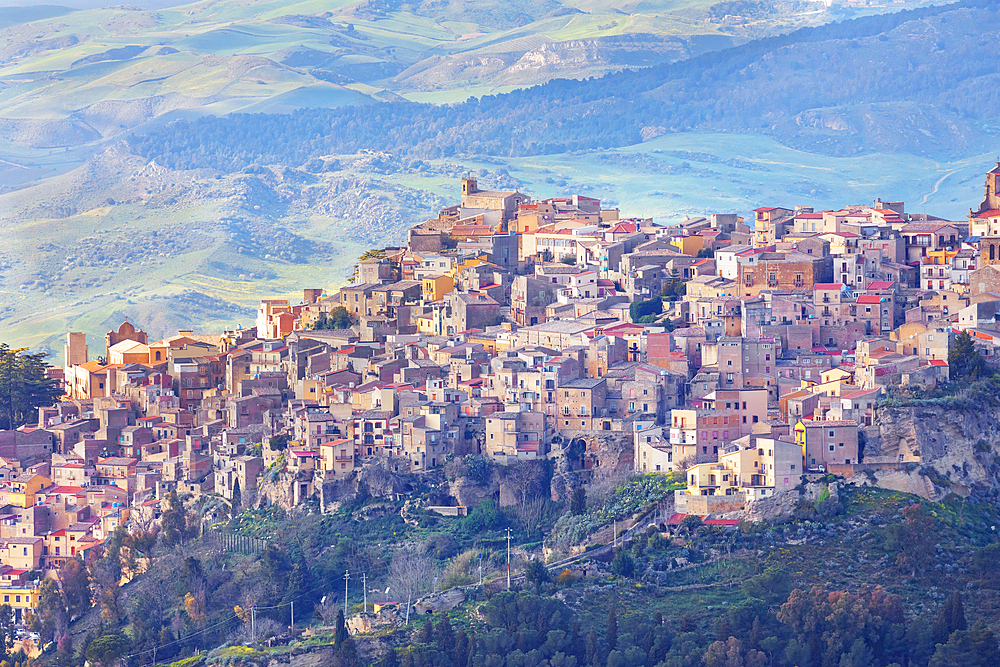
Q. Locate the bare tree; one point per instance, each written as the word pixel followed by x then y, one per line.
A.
pixel 522 477
pixel 601 490
pixel 410 575
pixel 529 513
pixel 327 610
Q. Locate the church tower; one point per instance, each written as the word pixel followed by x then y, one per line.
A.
pixel 985 222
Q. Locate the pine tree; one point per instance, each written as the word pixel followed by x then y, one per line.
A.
pixel 23 387
pixel 237 495
pixel 964 359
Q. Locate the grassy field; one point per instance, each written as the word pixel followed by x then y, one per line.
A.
pixel 693 174
pixel 231 56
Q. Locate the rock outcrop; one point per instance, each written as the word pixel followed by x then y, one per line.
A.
pixel 955 449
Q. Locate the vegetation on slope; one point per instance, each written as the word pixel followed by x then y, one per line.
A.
pixel 879 576
pixel 890 90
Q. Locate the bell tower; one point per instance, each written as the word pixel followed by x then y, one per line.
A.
pixel 985 222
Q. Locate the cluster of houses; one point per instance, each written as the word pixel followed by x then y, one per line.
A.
pixel 744 354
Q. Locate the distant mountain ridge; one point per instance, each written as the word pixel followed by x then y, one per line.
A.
pixel 918 81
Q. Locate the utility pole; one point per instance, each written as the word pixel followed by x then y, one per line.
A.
pixel 293 616
pixel 480 569
pixel 364 584
pixel 508 559
pixel 253 624
pixel 347 577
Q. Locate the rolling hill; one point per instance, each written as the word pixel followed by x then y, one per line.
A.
pixel 138 183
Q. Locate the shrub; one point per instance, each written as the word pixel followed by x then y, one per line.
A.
pixel 623 565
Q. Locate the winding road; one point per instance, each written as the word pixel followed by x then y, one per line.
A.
pixel 936 186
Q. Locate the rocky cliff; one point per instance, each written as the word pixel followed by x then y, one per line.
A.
pixel 955 449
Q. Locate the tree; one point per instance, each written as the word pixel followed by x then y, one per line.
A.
pixel 730 653
pixel 911 539
pixel 967 648
pixel 611 636
pixel 639 309
pixel 23 386
pixel 623 565
pixel 278 442
pixel 444 636
pixel 689 524
pixel 340 318
pixel 426 632
pixel 237 495
pixel 105 651
pixel 298 588
pixel 52 617
pixel 950 619
pixel 75 587
pixel 537 574
pixel 578 501
pixel 173 523
pixel 410 574
pixel 340 633
pixel 964 359
pixel 389 659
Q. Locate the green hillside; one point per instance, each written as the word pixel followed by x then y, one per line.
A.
pixel 70 78
pixel 188 224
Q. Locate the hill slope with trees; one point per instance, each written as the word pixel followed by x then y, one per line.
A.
pixel 918 81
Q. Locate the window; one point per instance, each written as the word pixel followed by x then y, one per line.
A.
pixel 832 434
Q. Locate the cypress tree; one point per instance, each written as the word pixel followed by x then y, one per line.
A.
pixel 611 638
pixel 340 634
pixel 426 633
pixel 444 636
pixel 591 655
pixel 461 651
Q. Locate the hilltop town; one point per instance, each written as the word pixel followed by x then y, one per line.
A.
pixel 744 355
